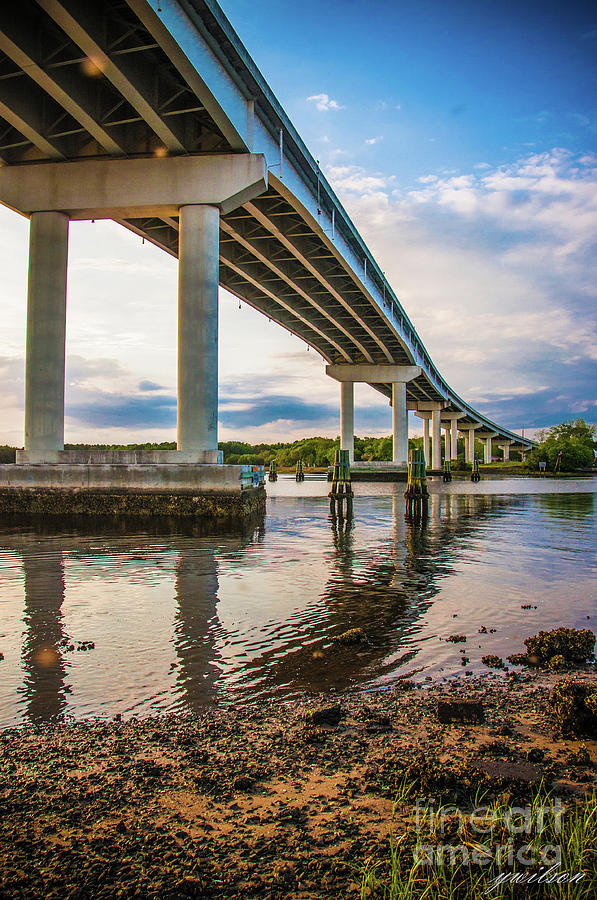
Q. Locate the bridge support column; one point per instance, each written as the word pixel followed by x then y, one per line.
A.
pixel 469 441
pixel 451 427
pixel 454 440
pixel 487 446
pixel 399 423
pixel 347 418
pixel 198 331
pixel 46 332
pixel 398 376
pixel 426 440
pixel 506 448
pixel 436 439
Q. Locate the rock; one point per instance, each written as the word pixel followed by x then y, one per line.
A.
pixel 315 735
pixel 535 754
pixel 519 659
pixel 243 783
pixel 557 662
pixel 575 645
pixel 324 715
pixel 470 712
pixel 493 661
pixel 483 629
pixel 580 757
pixel 574 707
pixel 352 636
pixel 457 638
pixel 1 656
pixel 509 771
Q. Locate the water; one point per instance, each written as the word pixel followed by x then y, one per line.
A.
pixel 180 618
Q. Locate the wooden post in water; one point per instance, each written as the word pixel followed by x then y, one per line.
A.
pixel 416 494
pixel 447 475
pixel 475 474
pixel 300 475
pixel 273 471
pixel 341 493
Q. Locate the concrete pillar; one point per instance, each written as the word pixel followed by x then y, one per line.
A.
pixel 399 423
pixel 198 328
pixel 347 417
pixel 454 439
pixel 46 332
pixel 487 447
pixel 436 439
pixel 506 449
pixel 426 441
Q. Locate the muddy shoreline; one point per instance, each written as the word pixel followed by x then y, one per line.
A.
pixel 265 800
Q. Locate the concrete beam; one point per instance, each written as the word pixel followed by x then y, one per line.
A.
pixel 82 24
pixel 29 129
pixel 134 188
pixel 453 416
pixel 366 374
pixel 199 65
pixel 432 405
pixel 18 42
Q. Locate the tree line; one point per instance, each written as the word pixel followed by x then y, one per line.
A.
pixel 573 442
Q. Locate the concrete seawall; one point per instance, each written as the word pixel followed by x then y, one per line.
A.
pixel 188 491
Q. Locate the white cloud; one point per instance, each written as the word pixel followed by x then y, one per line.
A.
pixel 324 102
pixel 374 140
pixel 496 271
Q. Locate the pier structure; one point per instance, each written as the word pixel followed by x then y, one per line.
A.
pixel 155 116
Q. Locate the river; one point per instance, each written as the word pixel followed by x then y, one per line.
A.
pixel 180 616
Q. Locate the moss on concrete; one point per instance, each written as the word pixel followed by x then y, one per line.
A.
pixel 140 504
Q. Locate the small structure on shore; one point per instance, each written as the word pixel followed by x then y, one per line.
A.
pixel 341 493
pixel 416 494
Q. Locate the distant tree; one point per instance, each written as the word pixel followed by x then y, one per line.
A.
pixel 574 440
pixel 7 454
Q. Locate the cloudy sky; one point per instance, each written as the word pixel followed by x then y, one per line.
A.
pixel 462 139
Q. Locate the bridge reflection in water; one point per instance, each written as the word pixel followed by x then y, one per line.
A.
pixel 251 613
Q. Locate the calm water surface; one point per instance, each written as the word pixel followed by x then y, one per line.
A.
pixel 180 618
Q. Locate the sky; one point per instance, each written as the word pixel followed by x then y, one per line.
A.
pixel 462 140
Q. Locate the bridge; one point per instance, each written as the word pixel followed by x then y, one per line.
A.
pixel 154 115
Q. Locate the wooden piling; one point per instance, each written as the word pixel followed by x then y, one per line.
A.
pixel 447 473
pixel 475 474
pixel 273 471
pixel 300 474
pixel 341 495
pixel 416 494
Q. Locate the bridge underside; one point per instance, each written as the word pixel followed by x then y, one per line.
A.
pixel 84 80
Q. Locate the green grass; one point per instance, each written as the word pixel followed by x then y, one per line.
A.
pixel 403 878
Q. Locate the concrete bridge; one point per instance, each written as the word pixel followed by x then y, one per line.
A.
pixel 153 114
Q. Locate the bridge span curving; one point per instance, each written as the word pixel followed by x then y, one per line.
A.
pixel 153 114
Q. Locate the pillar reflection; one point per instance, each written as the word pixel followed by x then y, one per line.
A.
pixel 44 670
pixel 196 624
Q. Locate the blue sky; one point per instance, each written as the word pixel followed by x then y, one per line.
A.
pixel 461 137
